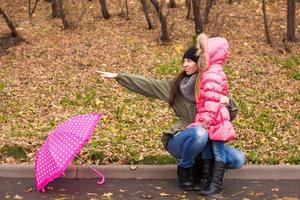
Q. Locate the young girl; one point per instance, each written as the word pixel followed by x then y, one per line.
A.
pixel 211 87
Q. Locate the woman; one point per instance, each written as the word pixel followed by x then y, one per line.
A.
pixel 185 144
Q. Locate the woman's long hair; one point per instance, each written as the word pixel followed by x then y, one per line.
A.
pixel 175 91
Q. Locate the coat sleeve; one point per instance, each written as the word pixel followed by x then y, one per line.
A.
pixel 213 85
pixel 159 89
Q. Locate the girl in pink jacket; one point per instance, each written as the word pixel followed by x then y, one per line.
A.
pixel 211 88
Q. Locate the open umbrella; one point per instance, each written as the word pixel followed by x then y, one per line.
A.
pixel 61 146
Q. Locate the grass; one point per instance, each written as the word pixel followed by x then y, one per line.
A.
pixel 291 65
pixel 16 151
pixel 157 160
pixel 169 69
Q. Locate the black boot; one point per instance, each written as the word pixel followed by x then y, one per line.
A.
pixel 202 177
pixel 185 178
pixel 216 185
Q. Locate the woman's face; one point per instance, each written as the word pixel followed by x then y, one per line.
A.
pixel 189 66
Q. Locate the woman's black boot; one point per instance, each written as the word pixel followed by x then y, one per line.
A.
pixel 216 185
pixel 202 177
pixel 185 178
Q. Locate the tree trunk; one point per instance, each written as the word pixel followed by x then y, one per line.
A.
pixel 62 14
pixel 104 10
pixel 172 4
pixel 30 12
pixel 9 23
pixel 291 20
pixel 197 17
pixel 55 10
pixel 208 6
pixel 145 9
pixel 163 20
pixel 127 9
pixel 189 7
pixel 267 31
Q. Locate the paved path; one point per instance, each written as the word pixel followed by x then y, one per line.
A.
pixel 23 188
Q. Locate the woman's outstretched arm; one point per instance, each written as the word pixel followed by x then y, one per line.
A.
pixel 159 89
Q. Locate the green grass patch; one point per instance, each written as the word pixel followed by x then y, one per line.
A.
pixel 158 160
pixel 85 98
pixel 97 156
pixel 295 75
pixel 16 151
pixel 265 122
pixel 3 118
pixel 290 65
pixel 2 86
pixel 170 69
pixel 297 116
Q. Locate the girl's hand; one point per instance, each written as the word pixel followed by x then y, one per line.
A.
pixel 224 100
pixel 107 74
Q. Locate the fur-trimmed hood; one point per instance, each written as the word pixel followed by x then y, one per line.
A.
pixel 212 51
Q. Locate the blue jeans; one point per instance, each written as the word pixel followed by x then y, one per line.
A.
pixel 220 151
pixel 186 145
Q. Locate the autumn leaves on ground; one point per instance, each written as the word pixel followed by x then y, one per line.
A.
pixel 48 75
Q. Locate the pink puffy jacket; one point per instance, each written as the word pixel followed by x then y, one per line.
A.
pixel 213 84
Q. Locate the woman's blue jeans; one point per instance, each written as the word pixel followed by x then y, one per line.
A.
pixel 186 145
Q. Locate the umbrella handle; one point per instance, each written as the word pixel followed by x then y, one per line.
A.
pixel 100 175
pixel 94 170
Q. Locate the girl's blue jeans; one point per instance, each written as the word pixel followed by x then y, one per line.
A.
pixel 186 145
pixel 216 150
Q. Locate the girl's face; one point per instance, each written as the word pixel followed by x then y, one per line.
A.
pixel 189 66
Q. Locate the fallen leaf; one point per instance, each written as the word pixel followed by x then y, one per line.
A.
pixel 259 194
pixel 50 188
pixel 91 194
pixel 28 190
pixel 146 196
pixel 18 197
pixel 162 194
pixel 108 194
pixel 133 167
pixel 275 189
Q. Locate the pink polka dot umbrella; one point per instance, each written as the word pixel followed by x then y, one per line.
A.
pixel 61 146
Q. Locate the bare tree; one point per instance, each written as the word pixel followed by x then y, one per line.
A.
pixel 267 31
pixel 104 10
pixel 188 4
pixel 125 14
pixel 9 23
pixel 30 12
pixel 172 4
pixel 162 19
pixel 291 20
pixel 54 8
pixel 145 9
pixel 197 17
pixel 208 6
pixel 62 14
